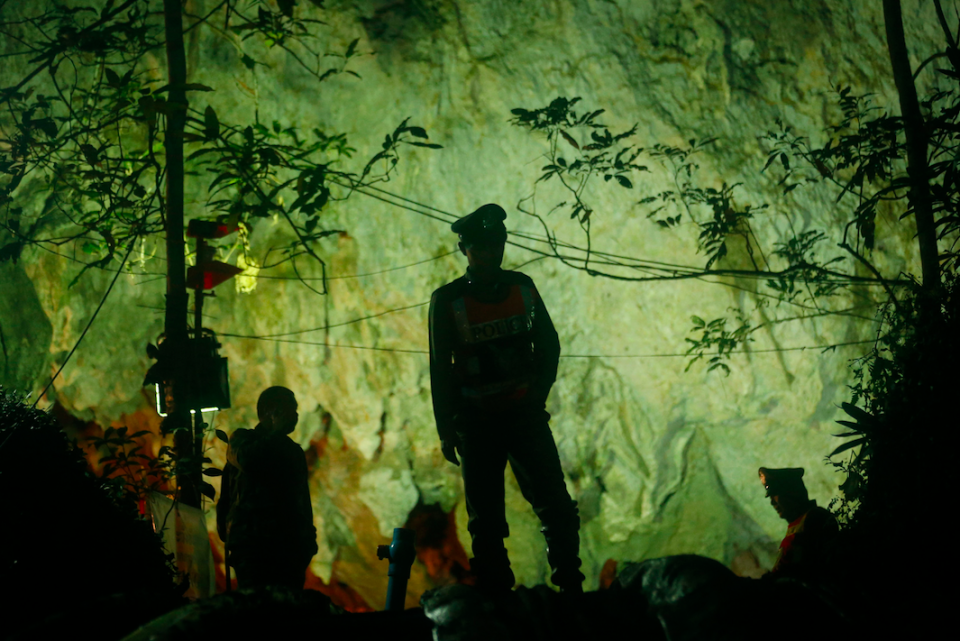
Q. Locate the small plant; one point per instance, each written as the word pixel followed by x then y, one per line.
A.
pixel 126 461
pixel 130 469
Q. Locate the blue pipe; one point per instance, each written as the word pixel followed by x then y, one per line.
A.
pixel 401 553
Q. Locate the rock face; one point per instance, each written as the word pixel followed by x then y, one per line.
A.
pixel 660 461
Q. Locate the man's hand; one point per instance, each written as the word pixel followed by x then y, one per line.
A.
pixel 449 449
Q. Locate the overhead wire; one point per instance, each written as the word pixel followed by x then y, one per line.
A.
pixel 331 326
pixel 351 276
pixel 801 348
pixel 417 207
pixel 672 271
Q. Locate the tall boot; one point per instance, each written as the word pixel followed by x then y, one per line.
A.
pixel 491 566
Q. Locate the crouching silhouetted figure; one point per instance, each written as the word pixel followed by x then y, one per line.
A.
pixel 265 515
pixel 493 358
pixel 812 531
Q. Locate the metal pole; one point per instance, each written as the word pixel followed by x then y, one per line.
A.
pixel 198 356
pixel 175 321
pixel 401 553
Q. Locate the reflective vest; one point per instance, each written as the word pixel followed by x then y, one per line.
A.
pixel 493 359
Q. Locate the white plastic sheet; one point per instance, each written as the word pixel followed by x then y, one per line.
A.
pixel 184 531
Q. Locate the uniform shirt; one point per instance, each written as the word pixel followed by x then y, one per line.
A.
pixel 265 497
pixel 805 547
pixel 493 348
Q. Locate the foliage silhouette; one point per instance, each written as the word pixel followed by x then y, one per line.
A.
pixel 86 135
pixel 98 151
pixel 40 471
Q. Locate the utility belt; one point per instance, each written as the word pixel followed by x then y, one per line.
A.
pixel 496 397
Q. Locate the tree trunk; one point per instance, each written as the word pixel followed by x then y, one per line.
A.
pixel 175 320
pixel 916 136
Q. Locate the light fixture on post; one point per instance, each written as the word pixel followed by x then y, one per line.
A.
pixel 207 384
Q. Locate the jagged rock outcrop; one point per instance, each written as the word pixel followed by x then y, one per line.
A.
pixel 661 461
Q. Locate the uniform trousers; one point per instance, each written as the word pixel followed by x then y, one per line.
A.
pixel 487 441
pixel 269 565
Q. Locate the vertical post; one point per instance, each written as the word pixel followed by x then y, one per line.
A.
pixel 915 132
pixel 175 319
pixel 401 553
pixel 197 352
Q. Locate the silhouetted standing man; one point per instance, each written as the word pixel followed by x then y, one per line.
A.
pixel 493 360
pixel 265 515
pixel 812 530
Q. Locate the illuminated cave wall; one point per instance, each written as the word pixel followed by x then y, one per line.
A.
pixel 661 461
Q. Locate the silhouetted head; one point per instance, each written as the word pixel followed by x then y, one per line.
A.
pixel 787 493
pixel 482 239
pixel 277 410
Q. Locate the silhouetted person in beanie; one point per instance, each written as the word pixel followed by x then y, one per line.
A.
pixel 265 515
pixel 493 359
pixel 812 530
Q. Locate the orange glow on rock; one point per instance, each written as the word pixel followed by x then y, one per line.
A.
pixel 438 547
pixel 340 593
pixel 608 573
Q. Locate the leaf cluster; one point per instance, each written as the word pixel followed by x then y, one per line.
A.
pixel 602 152
pixel 137 472
pixel 83 160
pixel 84 135
pixel 278 171
pixel 795 268
pixel 283 28
pixel 716 338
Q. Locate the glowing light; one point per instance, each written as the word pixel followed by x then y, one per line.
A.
pixel 161 413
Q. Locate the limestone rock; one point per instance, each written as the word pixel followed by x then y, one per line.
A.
pixel 660 461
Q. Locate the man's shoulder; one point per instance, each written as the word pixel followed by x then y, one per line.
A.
pixel 820 519
pixel 240 434
pixel 821 514
pixel 291 445
pixel 450 290
pixel 517 278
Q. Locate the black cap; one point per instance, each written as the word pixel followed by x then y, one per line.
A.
pixel 784 480
pixel 484 224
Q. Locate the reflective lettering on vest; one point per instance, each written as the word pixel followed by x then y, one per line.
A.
pixel 481 322
pixel 500 327
pixel 494 358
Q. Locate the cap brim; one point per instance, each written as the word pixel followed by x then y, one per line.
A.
pixel 486 237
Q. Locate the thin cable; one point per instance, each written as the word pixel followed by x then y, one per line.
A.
pixel 419 204
pixel 89 323
pixel 160 275
pixel 362 318
pixel 389 202
pixel 674 355
pixel 745 351
pixel 675 271
pixel 349 276
pixel 326 327
pixel 288 340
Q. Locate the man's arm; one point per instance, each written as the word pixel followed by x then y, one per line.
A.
pixel 248 451
pixel 226 500
pixel 546 352
pixel 442 385
pixel 233 447
pixel 303 503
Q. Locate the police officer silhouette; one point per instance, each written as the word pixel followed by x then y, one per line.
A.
pixel 493 359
